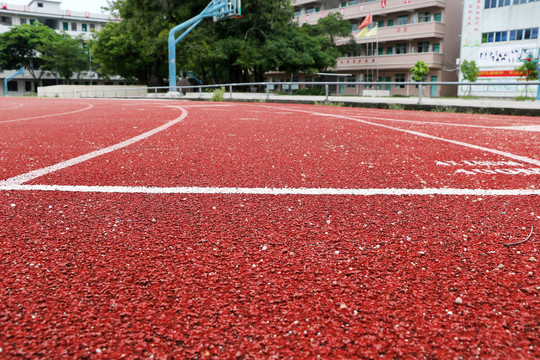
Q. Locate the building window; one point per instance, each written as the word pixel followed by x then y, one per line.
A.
pixel 351 79
pixel 389 50
pixel 353 2
pixel 399 78
pixel 84 27
pixel 437 17
pixel 512 35
pixel 390 22
pixel 436 48
pixel 423 46
pixel 13 86
pixel 73 26
pixel 424 17
pixel 32 21
pixel 380 51
pixel 28 86
pixel 381 23
pixel 354 26
pixel 516 2
pixel 92 26
pixel 65 26
pixel 343 3
pixel 403 20
pixel 401 48
pixel 6 20
pixel 40 5
pixel 489 4
pixel 296 13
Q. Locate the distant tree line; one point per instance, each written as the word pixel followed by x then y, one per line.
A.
pixel 239 50
pixel 40 49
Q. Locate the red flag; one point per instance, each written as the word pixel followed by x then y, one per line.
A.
pixel 367 21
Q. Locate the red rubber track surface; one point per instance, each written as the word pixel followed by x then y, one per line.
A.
pixel 94 275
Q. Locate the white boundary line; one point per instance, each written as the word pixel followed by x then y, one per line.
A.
pixel 421 134
pixel 271 191
pixel 20 179
pixel 50 115
pixel 16 183
pixel 513 128
pixel 13 107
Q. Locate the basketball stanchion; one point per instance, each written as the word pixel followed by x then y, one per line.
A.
pixel 218 10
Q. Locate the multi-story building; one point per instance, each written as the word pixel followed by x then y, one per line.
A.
pixel 407 31
pixel 49 13
pixel 498 35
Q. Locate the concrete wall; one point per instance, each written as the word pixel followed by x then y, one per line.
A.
pixel 91 91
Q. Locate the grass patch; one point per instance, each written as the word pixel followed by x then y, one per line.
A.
pixel 218 94
pixel 447 109
pixel 396 107
pixel 524 98
pixel 340 104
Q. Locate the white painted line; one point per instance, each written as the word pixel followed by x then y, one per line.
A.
pixel 13 107
pixel 50 115
pixel 270 191
pixel 421 134
pixel 20 179
pixel 521 128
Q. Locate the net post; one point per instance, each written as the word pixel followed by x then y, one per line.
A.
pixel 419 93
pixel 267 91
pixel 230 92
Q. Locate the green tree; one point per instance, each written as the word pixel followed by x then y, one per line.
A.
pixel 419 71
pixel 20 47
pixel 333 26
pixel 470 72
pixel 265 38
pixel 529 71
pixel 64 55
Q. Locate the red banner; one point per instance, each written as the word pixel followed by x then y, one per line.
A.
pixel 498 73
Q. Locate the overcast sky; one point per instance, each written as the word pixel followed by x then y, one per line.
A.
pixel 74 5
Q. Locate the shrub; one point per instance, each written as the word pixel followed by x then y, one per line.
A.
pixel 218 94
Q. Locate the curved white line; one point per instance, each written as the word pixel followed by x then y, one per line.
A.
pixel 13 107
pixel 421 134
pixel 513 128
pixel 50 115
pixel 20 179
pixel 273 191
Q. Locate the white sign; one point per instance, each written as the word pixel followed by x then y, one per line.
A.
pixel 499 56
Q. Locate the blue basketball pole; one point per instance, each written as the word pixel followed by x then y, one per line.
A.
pixel 213 9
pixel 19 72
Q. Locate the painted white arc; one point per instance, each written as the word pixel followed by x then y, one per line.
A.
pixel 50 115
pixel 421 134
pixel 21 179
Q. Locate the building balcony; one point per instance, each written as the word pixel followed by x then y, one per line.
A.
pixel 306 2
pixel 27 11
pixel 416 31
pixel 389 62
pixel 376 8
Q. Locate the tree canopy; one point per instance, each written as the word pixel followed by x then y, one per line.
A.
pixel 420 71
pixel 39 49
pixel 266 38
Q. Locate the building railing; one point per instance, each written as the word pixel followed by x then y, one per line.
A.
pixel 268 88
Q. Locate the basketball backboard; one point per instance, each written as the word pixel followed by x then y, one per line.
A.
pixel 233 9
